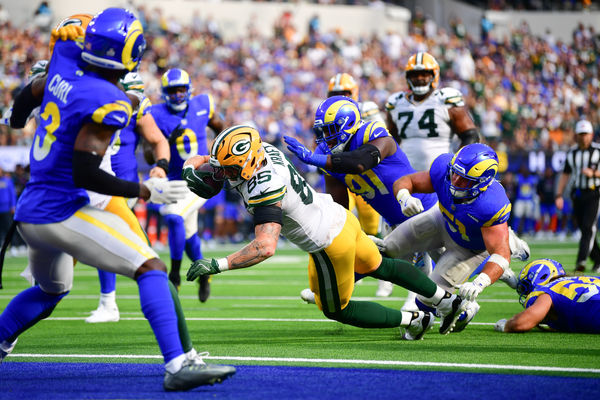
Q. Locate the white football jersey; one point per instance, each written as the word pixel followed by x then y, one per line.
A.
pixel 311 220
pixel 424 127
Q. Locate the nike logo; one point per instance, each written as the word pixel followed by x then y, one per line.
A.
pixel 120 119
pixel 159 191
pixel 201 112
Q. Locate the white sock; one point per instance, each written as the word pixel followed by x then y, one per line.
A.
pixel 108 299
pixel 407 317
pixel 438 296
pixel 175 364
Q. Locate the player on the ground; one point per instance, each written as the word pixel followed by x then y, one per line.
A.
pixel 53 213
pixel 281 202
pixel 470 222
pixel 183 120
pixel 423 119
pixel 564 303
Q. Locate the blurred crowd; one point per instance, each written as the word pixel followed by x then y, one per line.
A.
pixel 525 92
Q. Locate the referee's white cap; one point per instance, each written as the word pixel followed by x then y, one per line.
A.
pixel 584 126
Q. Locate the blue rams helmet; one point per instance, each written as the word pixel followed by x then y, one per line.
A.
pixel 114 39
pixel 537 272
pixel 336 120
pixel 478 164
pixel 176 77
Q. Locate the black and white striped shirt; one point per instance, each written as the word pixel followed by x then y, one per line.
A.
pixel 578 160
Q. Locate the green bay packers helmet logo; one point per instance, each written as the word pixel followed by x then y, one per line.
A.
pixel 241 147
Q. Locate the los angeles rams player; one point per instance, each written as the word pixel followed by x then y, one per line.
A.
pixel 360 156
pixel 183 120
pixel 343 84
pixel 424 119
pixel 53 213
pixel 282 202
pixel 121 161
pixel 564 303
pixel 470 222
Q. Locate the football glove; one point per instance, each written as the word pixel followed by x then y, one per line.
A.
pixel 163 191
pixel 470 290
pixel 499 327
pixel 195 181
pixel 5 120
pixel 202 267
pixel 378 242
pixel 68 32
pixel 410 205
pixel 304 154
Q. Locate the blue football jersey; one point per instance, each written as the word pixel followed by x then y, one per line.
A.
pixel 125 141
pixel 73 97
pixel 191 123
pixel 526 187
pixel 575 303
pixel 376 184
pixel 465 220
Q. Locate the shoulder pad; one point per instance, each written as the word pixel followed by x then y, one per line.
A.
pixel 452 97
pixel 393 99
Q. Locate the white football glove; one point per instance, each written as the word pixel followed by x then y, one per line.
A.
pixel 470 290
pixel 499 327
pixel 378 242
pixel 410 205
pixel 5 120
pixel 163 191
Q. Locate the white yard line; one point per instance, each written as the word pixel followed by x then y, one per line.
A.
pixel 529 368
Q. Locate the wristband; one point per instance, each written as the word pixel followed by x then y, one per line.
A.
pixel 501 261
pixel 223 264
pixel 402 193
pixel 164 164
pixel 483 280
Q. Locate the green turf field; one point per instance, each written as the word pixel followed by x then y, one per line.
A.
pixel 255 316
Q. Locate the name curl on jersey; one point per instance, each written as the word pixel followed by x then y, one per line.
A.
pixel 60 88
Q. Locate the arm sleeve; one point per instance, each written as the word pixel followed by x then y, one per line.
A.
pixel 24 104
pixel 88 175
pixel 366 156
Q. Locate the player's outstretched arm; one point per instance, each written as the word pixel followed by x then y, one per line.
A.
pixel 463 125
pixel 529 318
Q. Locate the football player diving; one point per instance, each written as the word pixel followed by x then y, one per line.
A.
pixel 53 214
pixel 281 202
pixel 564 303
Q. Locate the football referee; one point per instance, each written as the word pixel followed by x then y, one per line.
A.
pixel 582 162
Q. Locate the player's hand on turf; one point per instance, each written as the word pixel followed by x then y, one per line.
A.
pixel 202 267
pixel 163 191
pixel 410 205
pixel 499 327
pixel 304 153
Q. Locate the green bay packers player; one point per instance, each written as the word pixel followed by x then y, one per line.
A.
pixel 564 303
pixel 281 202
pixel 424 119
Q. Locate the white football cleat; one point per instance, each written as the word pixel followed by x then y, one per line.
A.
pixel 418 326
pixel 104 313
pixel 410 303
pixel 308 296
pixel 472 308
pixel 384 289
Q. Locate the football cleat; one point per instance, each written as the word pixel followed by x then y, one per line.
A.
pixel 308 296
pixel 104 313
pixel 384 288
pixel 472 308
pixel 193 374
pixel 418 326
pixel 410 304
pixel 196 358
pixel 509 277
pixel 449 308
pixel 6 348
pixel 203 288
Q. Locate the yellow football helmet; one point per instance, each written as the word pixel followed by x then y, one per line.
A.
pixel 422 61
pixel 236 153
pixel 343 85
pixel 80 20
